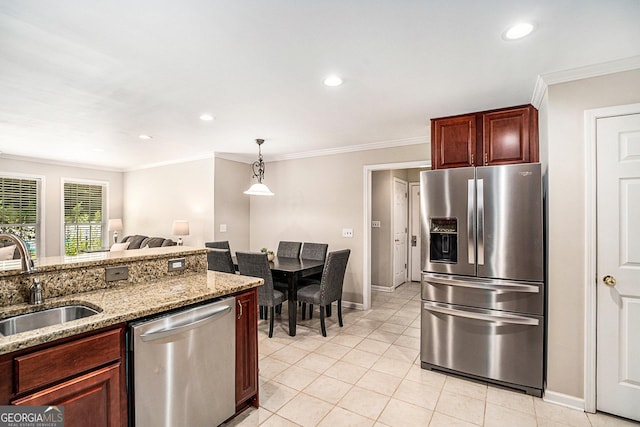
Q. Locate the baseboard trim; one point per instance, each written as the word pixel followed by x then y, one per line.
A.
pixel 382 288
pixel 349 304
pixel 563 400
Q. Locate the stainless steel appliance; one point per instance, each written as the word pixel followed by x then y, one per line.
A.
pixel 483 294
pixel 183 366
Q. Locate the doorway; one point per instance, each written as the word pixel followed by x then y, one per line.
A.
pixel 367 220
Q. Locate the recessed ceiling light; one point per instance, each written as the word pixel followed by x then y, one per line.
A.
pixel 143 136
pixel 518 31
pixel 333 81
pixel 206 117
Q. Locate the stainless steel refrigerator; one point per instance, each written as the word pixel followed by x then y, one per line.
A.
pixel 483 293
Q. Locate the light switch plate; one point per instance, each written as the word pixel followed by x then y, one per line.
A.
pixel 375 224
pixel 223 228
pixel 347 232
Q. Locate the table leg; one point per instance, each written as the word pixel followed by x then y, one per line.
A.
pixel 293 307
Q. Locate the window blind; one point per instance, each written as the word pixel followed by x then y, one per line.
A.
pixel 83 221
pixel 19 210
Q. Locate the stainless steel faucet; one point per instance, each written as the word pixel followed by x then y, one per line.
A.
pixel 36 289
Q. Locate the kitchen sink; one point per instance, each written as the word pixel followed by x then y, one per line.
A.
pixel 40 319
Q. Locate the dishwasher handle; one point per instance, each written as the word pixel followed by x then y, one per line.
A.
pixel 195 323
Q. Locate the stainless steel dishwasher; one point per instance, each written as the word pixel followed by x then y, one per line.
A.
pixel 183 366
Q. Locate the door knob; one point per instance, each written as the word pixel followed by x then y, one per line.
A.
pixel 609 280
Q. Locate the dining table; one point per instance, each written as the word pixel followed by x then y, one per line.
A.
pixel 290 271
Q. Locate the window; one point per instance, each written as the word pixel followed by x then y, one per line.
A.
pixel 20 209
pixel 84 224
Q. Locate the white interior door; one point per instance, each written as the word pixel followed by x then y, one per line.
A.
pixel 618 265
pixel 400 214
pixel 414 230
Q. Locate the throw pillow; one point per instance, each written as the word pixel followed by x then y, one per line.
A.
pixel 119 247
pixel 6 253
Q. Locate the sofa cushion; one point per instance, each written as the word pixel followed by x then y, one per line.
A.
pixel 156 242
pixel 8 252
pixel 138 242
pixel 119 247
pixel 134 241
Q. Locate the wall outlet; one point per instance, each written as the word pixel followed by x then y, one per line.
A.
pixel 347 232
pixel 176 264
pixel 223 228
pixel 375 224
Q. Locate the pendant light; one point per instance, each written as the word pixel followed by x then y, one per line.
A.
pixel 259 189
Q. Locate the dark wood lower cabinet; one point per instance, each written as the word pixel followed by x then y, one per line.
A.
pixel 85 374
pixel 247 349
pixel 92 399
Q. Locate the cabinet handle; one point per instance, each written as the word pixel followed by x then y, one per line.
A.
pixel 471 159
pixel 240 308
pixel 486 163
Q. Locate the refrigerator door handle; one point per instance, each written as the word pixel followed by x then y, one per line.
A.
pixel 494 317
pixel 499 288
pixel 471 235
pixel 480 221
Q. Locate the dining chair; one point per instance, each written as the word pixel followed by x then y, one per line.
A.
pixel 329 289
pixel 314 251
pixel 289 249
pixel 256 264
pixel 222 244
pixel 220 260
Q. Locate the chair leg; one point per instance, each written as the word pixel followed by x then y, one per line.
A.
pixel 304 309
pixel 322 327
pixel 261 311
pixel 279 309
pixel 328 310
pixel 340 312
pixel 310 311
pixel 271 323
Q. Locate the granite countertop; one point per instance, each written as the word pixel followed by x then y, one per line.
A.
pixel 58 263
pixel 125 304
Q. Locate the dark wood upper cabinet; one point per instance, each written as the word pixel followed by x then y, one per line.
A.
pixel 496 137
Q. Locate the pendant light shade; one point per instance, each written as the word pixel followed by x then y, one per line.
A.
pixel 259 189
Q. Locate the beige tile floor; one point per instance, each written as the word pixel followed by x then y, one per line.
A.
pixel 368 374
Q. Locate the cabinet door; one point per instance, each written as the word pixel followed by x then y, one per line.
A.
pixel 92 399
pixel 510 136
pixel 453 142
pixel 247 349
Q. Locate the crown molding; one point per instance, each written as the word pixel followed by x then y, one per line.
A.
pixel 353 148
pixel 579 73
pixel 58 163
pixel 243 158
pixel 203 156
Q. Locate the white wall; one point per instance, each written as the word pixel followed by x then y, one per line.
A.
pixel 315 198
pixel 231 204
pixel 157 196
pixel 381 262
pixel 52 194
pixel 567 218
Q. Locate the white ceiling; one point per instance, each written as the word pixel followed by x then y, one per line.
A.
pixel 79 80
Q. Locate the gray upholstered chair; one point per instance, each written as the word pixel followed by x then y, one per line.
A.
pixel 220 260
pixel 314 251
pixel 329 289
pixel 222 244
pixel 289 249
pixel 256 264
